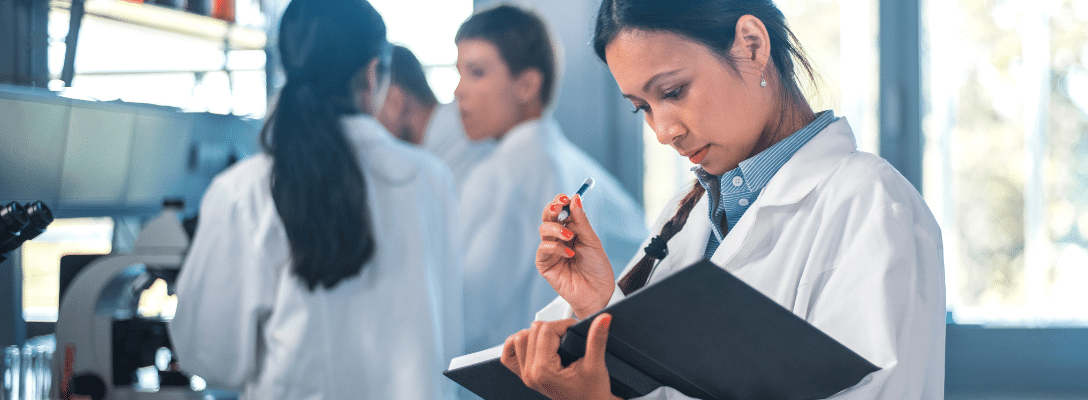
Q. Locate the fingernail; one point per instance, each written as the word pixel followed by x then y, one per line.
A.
pixel 553 207
pixel 564 199
pixel 607 320
pixel 578 201
pixel 570 253
pixel 567 234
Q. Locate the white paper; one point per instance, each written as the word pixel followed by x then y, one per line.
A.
pixel 477 357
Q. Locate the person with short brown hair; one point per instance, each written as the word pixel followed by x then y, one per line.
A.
pixel 509 69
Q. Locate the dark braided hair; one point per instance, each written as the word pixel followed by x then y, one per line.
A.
pixel 638 275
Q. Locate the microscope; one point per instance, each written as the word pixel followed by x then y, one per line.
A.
pixel 107 346
pixel 21 223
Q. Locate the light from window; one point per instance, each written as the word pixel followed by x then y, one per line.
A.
pixel 427 27
pixel 1005 165
pixel 41 260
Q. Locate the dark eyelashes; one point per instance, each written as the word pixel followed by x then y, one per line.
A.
pixel 671 94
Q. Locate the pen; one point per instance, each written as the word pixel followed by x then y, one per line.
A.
pixel 581 193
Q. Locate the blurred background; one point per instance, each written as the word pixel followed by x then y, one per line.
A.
pixel 981 104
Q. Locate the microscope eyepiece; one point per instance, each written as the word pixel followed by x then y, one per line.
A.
pixel 13 218
pixel 31 221
pixel 40 216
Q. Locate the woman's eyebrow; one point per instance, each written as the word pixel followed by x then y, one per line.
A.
pixel 659 76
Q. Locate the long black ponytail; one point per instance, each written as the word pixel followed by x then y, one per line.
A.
pixel 320 194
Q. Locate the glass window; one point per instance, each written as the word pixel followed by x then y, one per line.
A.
pixel 427 27
pixel 145 53
pixel 840 38
pixel 1006 149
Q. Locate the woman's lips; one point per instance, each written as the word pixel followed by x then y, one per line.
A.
pixel 698 156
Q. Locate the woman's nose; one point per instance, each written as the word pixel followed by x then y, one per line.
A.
pixel 668 130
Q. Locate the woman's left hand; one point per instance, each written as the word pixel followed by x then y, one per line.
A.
pixel 533 356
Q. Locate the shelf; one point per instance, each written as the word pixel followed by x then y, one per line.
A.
pixel 177 21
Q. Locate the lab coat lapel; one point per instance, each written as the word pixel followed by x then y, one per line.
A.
pixel 742 239
pixel 789 186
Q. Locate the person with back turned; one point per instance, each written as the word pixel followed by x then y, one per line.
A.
pixel 324 267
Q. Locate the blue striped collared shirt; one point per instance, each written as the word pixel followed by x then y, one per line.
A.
pixel 732 193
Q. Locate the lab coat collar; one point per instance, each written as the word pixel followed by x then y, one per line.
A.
pixel 374 147
pixel 362 128
pixel 528 131
pixel 809 166
pixel 798 177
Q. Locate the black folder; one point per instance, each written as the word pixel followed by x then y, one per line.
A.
pixel 705 333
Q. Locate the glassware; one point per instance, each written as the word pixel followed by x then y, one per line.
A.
pixel 11 373
pixel 29 379
pixel 40 369
pixel 26 372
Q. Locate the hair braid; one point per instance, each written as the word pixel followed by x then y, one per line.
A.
pixel 657 250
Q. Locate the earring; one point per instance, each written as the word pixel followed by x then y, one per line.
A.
pixel 762 81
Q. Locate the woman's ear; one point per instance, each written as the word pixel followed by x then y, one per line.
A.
pixel 529 85
pixel 392 109
pixel 378 85
pixel 752 43
pixel 364 89
pixel 372 73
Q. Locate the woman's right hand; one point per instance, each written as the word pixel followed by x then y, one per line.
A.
pixel 572 259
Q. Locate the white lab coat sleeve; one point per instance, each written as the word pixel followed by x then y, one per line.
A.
pixel 882 296
pixel 225 290
pixel 885 300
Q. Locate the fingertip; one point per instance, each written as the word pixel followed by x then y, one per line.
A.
pixel 605 320
pixel 598 338
pixel 577 201
pixel 568 252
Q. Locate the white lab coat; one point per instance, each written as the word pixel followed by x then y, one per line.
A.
pixel 244 321
pixel 502 201
pixel 445 137
pixel 840 238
